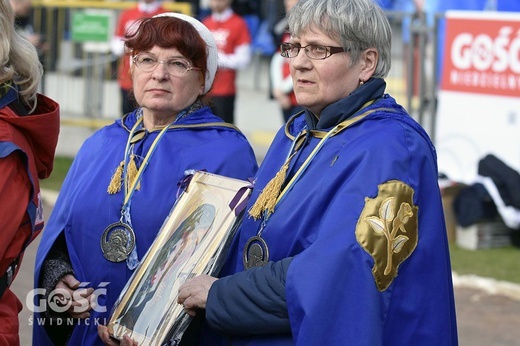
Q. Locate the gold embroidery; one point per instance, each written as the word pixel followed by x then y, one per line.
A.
pixel 388 237
pixel 271 194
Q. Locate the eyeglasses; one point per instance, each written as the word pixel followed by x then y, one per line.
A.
pixel 175 67
pixel 313 51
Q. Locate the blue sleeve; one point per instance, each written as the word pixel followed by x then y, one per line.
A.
pixel 250 302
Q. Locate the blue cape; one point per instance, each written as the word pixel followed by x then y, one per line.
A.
pixel 84 208
pixel 331 292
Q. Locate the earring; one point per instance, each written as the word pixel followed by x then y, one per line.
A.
pixel 361 82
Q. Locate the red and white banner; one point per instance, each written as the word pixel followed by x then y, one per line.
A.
pixel 482 53
pixel 479 99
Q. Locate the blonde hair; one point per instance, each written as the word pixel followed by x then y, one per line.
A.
pixel 19 61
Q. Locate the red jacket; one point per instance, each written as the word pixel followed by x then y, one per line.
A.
pixel 27 147
pixel 228 35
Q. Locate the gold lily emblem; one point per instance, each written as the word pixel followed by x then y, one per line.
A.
pixel 389 237
pixel 381 225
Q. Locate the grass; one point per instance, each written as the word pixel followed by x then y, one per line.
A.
pixel 498 263
pixel 61 167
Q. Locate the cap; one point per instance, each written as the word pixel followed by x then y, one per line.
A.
pixel 211 45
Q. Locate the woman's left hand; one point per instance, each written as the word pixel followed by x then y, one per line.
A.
pixel 193 294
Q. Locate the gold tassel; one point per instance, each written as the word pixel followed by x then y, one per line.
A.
pixel 132 173
pixel 115 183
pixel 267 199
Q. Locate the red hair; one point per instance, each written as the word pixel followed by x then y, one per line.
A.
pixel 169 32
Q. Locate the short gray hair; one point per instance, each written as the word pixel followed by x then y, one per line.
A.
pixel 358 24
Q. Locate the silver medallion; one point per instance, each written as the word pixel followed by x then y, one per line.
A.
pixel 117 242
pixel 256 253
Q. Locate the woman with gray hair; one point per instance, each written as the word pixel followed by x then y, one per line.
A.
pixel 345 243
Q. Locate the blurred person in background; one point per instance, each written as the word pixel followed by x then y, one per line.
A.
pixel 22 12
pixel 128 21
pixel 281 80
pixel 29 127
pixel 345 243
pixel 234 52
pixel 124 180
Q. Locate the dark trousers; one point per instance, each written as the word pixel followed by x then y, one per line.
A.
pixel 128 103
pixel 224 107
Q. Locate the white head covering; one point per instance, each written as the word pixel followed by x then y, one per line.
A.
pixel 211 45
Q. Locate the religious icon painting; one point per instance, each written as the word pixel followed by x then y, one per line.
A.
pixel 193 240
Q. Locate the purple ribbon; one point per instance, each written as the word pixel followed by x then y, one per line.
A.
pixel 183 184
pixel 239 207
